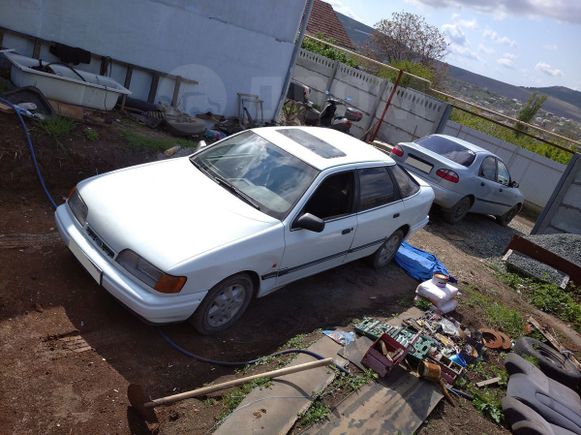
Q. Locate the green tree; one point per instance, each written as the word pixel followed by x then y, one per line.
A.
pixel 327 50
pixel 529 110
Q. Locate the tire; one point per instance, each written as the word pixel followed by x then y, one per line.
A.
pixel 505 219
pixel 551 362
pixel 458 212
pixel 224 305
pixel 385 253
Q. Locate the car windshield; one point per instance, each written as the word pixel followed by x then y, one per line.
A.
pixel 260 173
pixel 449 149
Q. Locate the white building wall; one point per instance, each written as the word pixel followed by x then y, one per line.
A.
pixel 229 46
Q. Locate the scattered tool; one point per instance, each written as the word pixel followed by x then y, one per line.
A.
pixel 433 372
pixel 488 382
pixel 144 406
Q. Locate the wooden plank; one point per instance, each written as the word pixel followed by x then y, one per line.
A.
pixel 68 110
pixel 36 48
pixel 398 405
pixel 355 351
pixel 153 88
pixel 176 91
pixel 487 382
pixel 274 410
pixel 128 76
pixel 520 244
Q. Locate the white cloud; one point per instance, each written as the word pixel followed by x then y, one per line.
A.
pixel 484 49
pixel 548 69
pixel 562 10
pixel 463 51
pixel 467 24
pixel 339 6
pixel 454 34
pixel 504 40
pixel 506 60
pixel 550 47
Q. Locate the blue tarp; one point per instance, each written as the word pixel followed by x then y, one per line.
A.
pixel 418 264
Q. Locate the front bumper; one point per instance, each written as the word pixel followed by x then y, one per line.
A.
pixel 148 304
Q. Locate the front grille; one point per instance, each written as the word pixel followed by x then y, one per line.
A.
pixel 100 243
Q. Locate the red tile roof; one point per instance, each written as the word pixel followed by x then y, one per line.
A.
pixel 324 21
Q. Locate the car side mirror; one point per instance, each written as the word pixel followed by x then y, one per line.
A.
pixel 514 184
pixel 308 221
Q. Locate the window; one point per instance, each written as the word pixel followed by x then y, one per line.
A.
pixel 449 149
pixel 254 168
pixel 334 197
pixel 503 176
pixel 407 185
pixel 488 168
pixel 376 188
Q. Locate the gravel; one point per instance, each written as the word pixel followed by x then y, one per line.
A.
pixel 564 245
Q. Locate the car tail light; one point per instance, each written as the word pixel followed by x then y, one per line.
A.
pixel 149 274
pixel 448 174
pixel 397 150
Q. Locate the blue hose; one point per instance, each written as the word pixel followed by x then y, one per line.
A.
pixel 240 363
pixel 18 111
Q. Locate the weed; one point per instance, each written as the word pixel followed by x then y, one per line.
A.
pixel 141 142
pixel 497 315
pixel 351 383
pixel 91 134
pixel 316 412
pixel 489 404
pixel 534 361
pixel 547 297
pixel 233 399
pixel 57 126
pixel 423 304
pixel 295 342
pixel 210 401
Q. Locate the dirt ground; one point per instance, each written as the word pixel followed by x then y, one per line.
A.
pixel 68 350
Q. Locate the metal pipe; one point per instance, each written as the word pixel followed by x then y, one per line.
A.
pixel 387 104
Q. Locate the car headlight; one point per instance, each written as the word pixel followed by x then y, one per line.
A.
pixel 78 207
pixel 149 274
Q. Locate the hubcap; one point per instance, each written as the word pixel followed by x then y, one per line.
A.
pixel 388 249
pixel 226 305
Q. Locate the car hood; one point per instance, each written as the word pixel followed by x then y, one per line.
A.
pixel 167 212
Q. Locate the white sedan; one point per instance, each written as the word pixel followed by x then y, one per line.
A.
pixel 199 237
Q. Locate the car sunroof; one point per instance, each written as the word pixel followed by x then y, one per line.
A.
pixel 313 143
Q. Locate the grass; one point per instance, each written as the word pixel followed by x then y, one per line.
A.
pixel 232 400
pixel 548 297
pixel 316 412
pixel 142 142
pixel 497 315
pixel 57 126
pixel 423 304
pixel 511 136
pixel 487 400
pixel 91 134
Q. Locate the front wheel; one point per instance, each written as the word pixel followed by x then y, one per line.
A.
pixel 387 250
pixel 223 305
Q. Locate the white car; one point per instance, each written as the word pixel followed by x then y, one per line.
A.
pixel 198 237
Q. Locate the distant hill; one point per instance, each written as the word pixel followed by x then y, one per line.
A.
pixel 562 93
pixel 562 101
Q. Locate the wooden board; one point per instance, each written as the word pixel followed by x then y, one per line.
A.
pixel 397 405
pixel 355 351
pixel 274 410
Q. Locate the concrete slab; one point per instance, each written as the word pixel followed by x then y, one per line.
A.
pixel 397 405
pixel 274 410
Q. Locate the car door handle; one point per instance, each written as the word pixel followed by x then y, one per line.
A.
pixel 395 216
pixel 482 184
pixel 346 230
pixel 500 190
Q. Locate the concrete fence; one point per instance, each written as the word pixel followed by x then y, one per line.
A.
pixel 537 175
pixel 562 213
pixel 411 115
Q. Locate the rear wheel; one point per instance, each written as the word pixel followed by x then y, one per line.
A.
pixel 223 305
pixel 458 212
pixel 387 250
pixel 505 219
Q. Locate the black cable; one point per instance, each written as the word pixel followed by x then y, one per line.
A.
pixel 241 363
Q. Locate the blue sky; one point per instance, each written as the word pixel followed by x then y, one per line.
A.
pixel 522 42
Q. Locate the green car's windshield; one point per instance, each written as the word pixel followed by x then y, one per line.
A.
pixel 260 173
